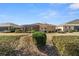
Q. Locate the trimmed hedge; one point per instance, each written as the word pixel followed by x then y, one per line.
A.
pixel 39 38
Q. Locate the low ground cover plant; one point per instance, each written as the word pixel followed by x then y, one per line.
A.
pixel 67 45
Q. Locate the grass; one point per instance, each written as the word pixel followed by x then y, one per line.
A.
pixel 18 45
pixel 8 45
pixel 9 37
pixel 67 45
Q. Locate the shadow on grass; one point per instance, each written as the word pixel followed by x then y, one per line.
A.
pixel 49 50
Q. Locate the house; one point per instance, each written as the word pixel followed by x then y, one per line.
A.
pixel 7 27
pixel 67 27
pixel 30 27
pixel 59 28
pixel 73 26
pixel 39 27
pixel 46 27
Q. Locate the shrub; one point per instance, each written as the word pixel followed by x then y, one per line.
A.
pixel 12 30
pixel 70 31
pixel 18 31
pixel 32 31
pixel 39 38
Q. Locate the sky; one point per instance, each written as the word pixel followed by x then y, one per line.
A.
pixel 29 13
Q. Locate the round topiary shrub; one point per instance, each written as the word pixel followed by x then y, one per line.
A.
pixel 39 38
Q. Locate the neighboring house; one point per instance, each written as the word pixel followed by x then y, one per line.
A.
pixel 46 27
pixel 59 28
pixel 73 26
pixel 67 27
pixel 39 27
pixel 30 27
pixel 7 27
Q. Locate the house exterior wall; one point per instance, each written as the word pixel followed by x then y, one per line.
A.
pixel 47 28
pixel 27 28
pixel 65 28
pixel 3 29
pixel 40 27
pixel 60 28
pixel 76 28
pixel 8 28
pixel 68 27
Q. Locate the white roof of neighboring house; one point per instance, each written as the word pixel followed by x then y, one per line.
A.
pixel 72 24
pixel 69 25
pixel 9 24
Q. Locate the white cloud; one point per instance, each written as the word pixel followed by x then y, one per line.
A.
pixel 74 6
pixel 56 4
pixel 73 10
pixel 48 14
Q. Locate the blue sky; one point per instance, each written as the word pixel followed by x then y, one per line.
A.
pixel 29 13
